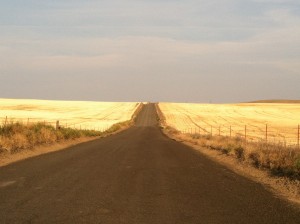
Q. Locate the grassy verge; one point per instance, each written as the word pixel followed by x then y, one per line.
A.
pixel 126 124
pixel 15 137
pixel 277 159
pixel 275 166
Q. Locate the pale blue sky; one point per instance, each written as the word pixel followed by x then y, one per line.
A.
pixel 142 50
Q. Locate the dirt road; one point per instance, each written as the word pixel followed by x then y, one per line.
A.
pixel 137 176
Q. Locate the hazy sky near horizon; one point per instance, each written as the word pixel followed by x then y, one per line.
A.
pixel 150 50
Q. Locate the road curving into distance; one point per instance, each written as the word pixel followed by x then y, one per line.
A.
pixel 137 176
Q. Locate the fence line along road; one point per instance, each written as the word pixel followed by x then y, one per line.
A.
pixel 55 123
pixel 289 136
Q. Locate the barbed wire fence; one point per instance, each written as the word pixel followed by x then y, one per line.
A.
pixel 62 123
pixel 288 136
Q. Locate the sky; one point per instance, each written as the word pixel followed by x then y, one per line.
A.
pixel 203 51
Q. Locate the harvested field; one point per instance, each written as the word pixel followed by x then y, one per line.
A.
pixel 268 122
pixel 74 114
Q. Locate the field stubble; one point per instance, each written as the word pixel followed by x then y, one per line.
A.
pixel 269 123
pixel 98 116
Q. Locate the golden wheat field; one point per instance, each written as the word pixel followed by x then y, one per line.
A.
pixel 271 122
pixel 75 114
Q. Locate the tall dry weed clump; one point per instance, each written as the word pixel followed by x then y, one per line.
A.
pixel 278 159
pixel 15 136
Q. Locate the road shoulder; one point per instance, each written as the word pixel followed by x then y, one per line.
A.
pixel 8 158
pixel 280 186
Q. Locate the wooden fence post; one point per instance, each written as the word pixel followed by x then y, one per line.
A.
pixel 230 131
pixel 211 133
pixel 219 130
pixel 57 125
pixel 28 121
pixel 246 133
pixel 5 121
pixel 298 136
pixel 266 133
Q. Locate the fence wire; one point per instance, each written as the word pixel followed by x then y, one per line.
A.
pixel 288 136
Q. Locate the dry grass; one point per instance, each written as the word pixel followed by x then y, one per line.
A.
pixel 275 166
pixel 277 169
pixel 279 160
pixel 15 137
pixel 231 119
pixel 8 158
pixel 75 114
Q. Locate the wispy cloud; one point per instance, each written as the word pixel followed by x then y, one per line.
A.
pixel 196 46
